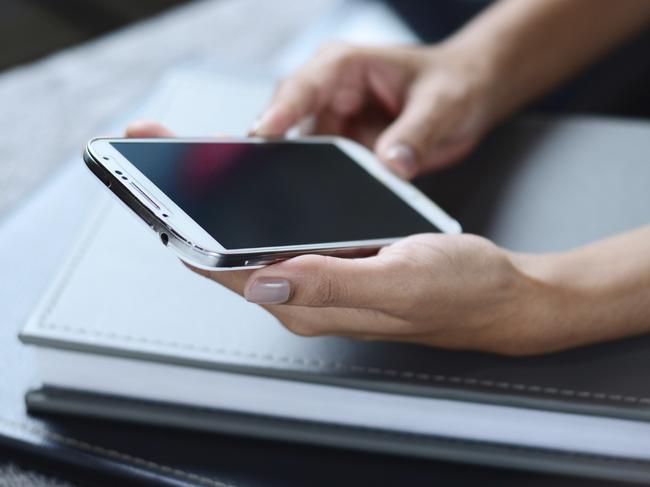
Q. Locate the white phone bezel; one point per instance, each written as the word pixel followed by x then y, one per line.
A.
pixel 183 225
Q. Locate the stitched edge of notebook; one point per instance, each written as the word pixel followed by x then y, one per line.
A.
pixel 112 453
pixel 427 377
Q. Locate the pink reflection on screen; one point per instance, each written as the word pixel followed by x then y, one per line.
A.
pixel 206 164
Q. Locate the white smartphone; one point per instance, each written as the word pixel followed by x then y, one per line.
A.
pixel 228 203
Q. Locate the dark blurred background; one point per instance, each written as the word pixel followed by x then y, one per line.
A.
pixel 30 29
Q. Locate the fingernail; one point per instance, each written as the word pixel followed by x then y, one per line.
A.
pixel 401 159
pixel 268 290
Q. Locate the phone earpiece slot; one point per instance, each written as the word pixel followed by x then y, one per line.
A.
pixel 145 196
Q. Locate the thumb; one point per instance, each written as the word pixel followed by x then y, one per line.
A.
pixel 423 137
pixel 321 281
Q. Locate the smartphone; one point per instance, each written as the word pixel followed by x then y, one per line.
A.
pixel 230 203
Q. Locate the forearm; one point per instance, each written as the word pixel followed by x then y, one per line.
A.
pixel 528 46
pixel 595 293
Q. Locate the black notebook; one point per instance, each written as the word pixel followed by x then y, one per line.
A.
pixel 126 332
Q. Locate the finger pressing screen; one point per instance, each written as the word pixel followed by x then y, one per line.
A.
pixel 295 98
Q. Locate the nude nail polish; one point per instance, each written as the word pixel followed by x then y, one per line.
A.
pixel 268 290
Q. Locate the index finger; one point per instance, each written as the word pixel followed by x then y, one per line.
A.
pixel 307 91
pixel 294 99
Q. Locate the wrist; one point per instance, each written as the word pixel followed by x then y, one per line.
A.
pixel 547 310
pixel 506 69
pixel 568 303
pixel 521 321
pixel 515 313
pixel 482 73
pixel 552 305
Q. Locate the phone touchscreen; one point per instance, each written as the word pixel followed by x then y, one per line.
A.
pixel 274 194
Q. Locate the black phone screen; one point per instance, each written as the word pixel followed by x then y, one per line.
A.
pixel 274 194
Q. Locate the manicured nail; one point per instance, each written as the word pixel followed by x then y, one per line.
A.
pixel 401 159
pixel 268 290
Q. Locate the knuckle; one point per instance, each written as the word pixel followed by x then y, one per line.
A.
pixel 330 289
pixel 433 116
pixel 323 287
pixel 326 294
pixel 446 103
